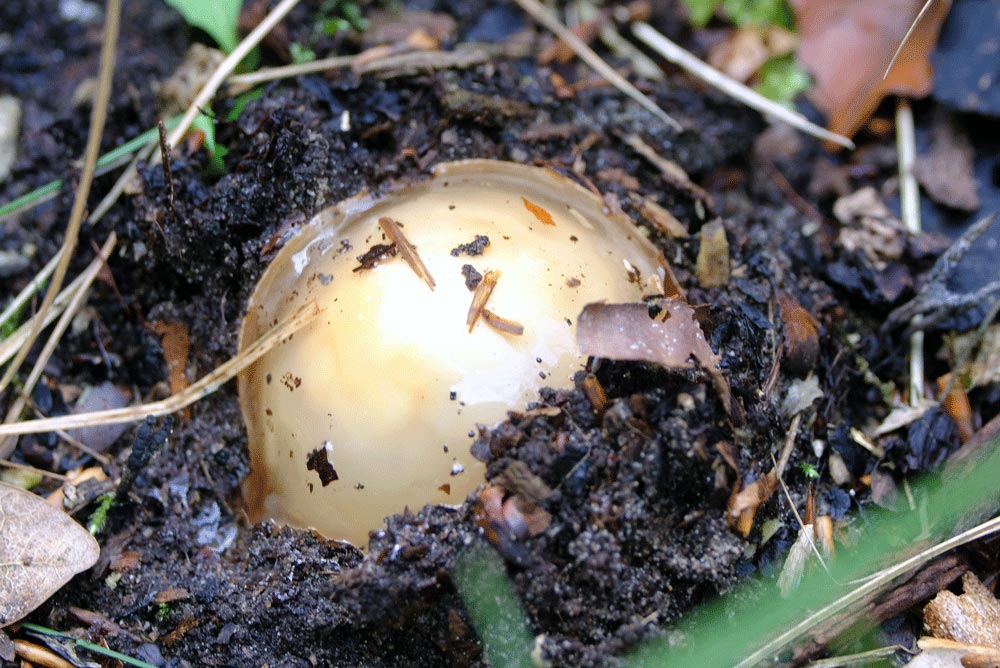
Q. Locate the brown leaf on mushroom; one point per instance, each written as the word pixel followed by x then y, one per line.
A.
pixel 672 339
pixel 41 548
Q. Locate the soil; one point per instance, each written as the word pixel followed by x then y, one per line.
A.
pixel 639 533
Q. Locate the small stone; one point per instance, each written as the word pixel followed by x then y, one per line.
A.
pixel 10 130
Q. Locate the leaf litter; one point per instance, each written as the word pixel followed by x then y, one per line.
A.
pixel 671 339
pixel 847 44
pixel 41 548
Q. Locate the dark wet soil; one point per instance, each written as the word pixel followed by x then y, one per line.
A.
pixel 638 533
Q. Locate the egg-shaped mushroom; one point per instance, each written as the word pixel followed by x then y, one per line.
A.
pixel 443 306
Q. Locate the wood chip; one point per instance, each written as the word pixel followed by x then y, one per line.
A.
pixel 502 324
pixel 595 393
pixel 538 212
pixel 406 249
pixel 481 296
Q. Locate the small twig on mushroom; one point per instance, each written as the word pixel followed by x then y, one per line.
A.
pixel 481 296
pixel 657 41
pixel 502 324
pixel 541 14
pixel 98 115
pixel 195 392
pixel 406 249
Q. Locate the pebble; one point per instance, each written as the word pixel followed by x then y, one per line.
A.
pixel 10 129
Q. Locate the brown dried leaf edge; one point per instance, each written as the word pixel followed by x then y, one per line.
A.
pixel 41 548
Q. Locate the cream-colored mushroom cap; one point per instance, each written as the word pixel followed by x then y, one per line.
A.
pixel 371 407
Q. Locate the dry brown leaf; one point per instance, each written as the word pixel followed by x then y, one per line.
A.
pixel 743 505
pixel 712 265
pixel 41 548
pixel 869 226
pixel 626 332
pixel 973 617
pixel 801 335
pixel 847 44
pixel 176 343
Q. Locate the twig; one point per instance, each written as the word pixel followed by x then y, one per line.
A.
pixel 936 302
pixel 31 469
pixel 194 392
pixel 7 444
pixel 168 174
pixel 226 67
pixel 909 204
pixel 241 82
pixel 98 116
pixel 589 56
pixel 658 42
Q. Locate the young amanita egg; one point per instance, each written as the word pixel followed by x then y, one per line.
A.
pixel 371 407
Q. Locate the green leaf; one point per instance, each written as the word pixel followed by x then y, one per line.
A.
pixel 219 18
pixel 206 124
pixel 782 79
pixel 759 12
pixel 481 580
pixel 702 11
pixel 301 53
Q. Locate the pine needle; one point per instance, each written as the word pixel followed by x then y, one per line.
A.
pixel 193 393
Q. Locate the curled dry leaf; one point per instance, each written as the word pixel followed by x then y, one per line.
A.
pixel 801 336
pixel 672 339
pixel 847 44
pixel 743 505
pixel 41 548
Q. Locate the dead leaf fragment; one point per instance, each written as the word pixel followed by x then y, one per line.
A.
pixel 946 172
pixel 743 505
pixel 538 212
pixel 176 343
pixel 712 265
pixel 672 339
pixel 847 44
pixel 869 226
pixel 973 617
pixel 41 548
pixel 801 336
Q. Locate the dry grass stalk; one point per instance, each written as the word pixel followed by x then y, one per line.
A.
pixel 98 115
pixel 7 444
pixel 658 42
pixel 28 292
pixel 541 14
pixel 226 68
pixel 195 392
